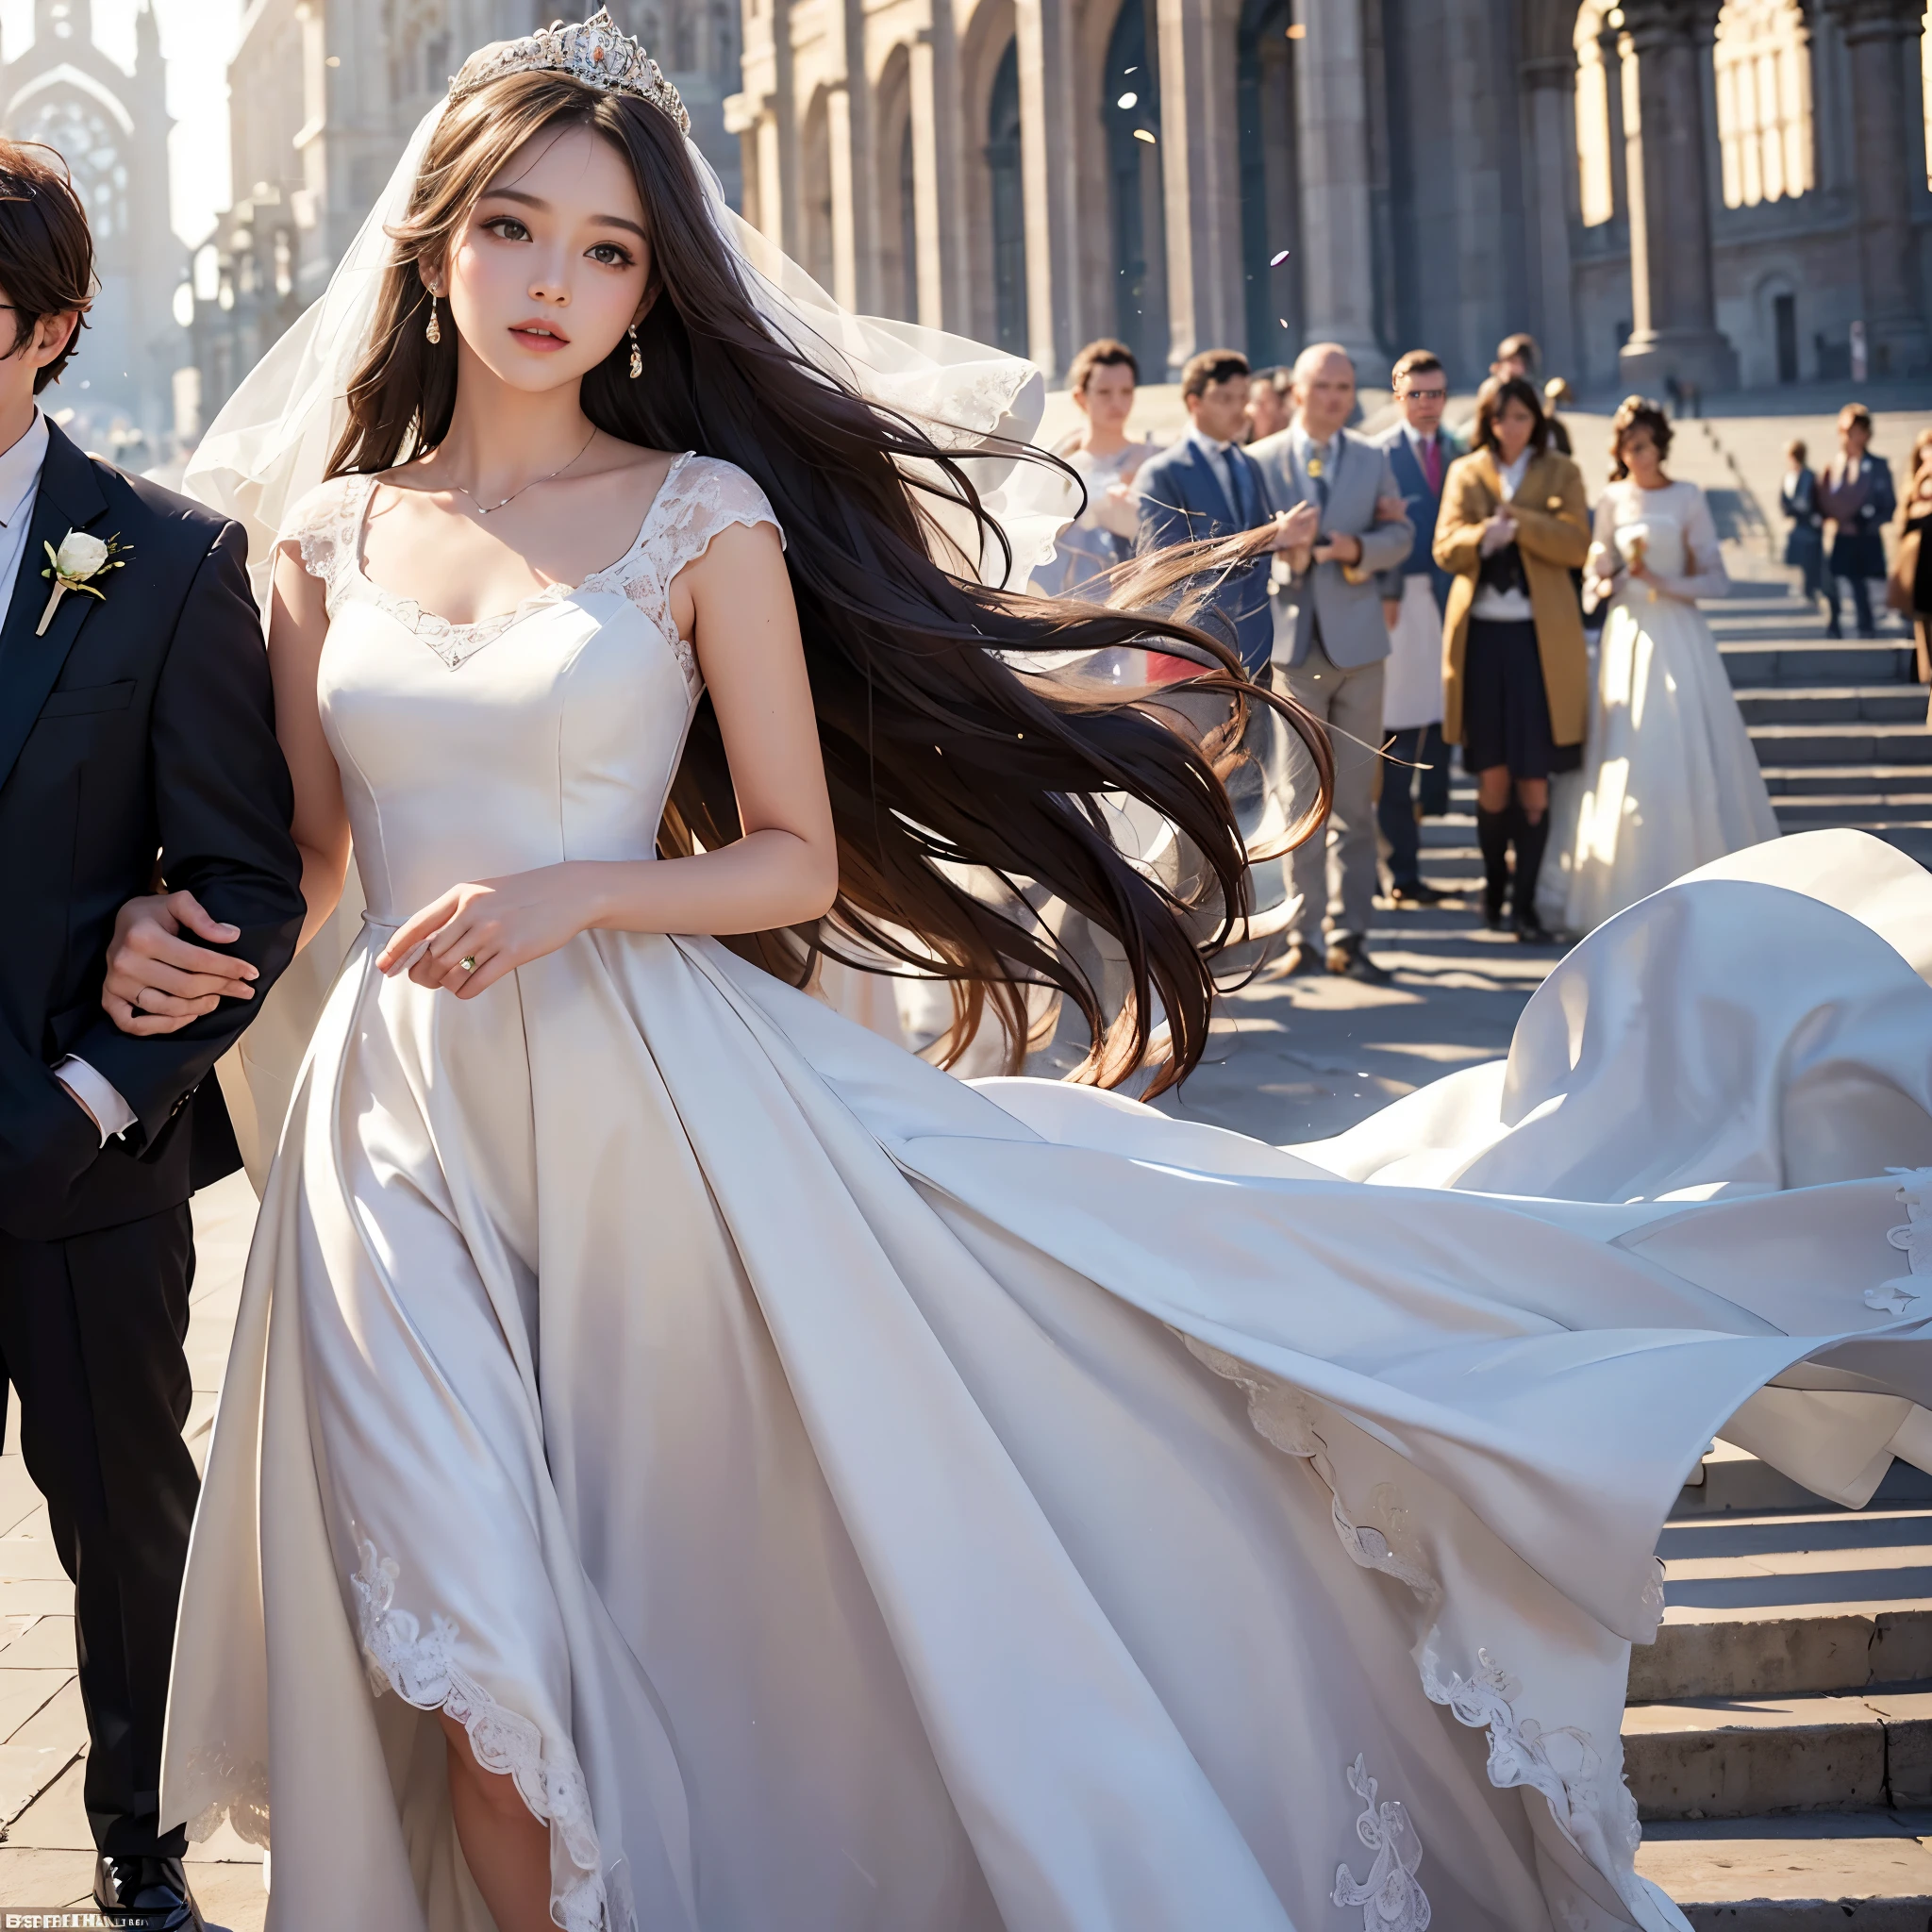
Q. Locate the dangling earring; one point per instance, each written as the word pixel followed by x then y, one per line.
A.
pixel 637 354
pixel 434 332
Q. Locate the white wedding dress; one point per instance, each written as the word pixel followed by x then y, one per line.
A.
pixel 1669 780
pixel 850 1500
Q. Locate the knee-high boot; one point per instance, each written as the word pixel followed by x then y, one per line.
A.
pixel 1492 829
pixel 1530 841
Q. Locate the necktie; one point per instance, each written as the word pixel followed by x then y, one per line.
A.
pixel 1432 466
pixel 1243 494
pixel 1318 472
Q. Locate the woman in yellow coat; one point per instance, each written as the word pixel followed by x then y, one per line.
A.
pixel 1515 675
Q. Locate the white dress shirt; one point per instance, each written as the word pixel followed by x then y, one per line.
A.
pixel 20 484
pixel 1309 450
pixel 1221 460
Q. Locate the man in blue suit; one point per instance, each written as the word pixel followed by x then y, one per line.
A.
pixel 1415 773
pixel 1208 486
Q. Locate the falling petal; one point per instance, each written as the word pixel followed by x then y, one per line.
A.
pixel 1130 69
pixel 1279 259
pixel 1128 99
pixel 1298 32
pixel 1142 134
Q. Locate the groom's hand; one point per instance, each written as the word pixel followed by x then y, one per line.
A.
pixel 157 981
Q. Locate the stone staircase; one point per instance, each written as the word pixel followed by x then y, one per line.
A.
pixel 1839 726
pixel 1779 1737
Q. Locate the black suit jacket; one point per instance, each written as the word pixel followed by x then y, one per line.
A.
pixel 136 737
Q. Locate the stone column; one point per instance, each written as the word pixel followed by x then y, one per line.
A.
pixel 764 115
pixel 939 174
pixel 853 179
pixel 1610 45
pixel 1548 88
pixel 1200 177
pixel 1337 242
pixel 1673 304
pixel 1880 39
pixel 1050 182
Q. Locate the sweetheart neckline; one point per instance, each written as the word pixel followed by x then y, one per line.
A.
pixel 431 625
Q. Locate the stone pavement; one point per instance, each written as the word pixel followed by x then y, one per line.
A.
pixel 46 1858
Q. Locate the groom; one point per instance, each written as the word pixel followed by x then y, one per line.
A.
pixel 136 749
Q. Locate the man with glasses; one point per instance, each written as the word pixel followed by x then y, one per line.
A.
pixel 1415 773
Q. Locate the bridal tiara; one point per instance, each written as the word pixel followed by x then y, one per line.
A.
pixel 596 52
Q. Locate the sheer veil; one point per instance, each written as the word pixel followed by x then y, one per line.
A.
pixel 270 446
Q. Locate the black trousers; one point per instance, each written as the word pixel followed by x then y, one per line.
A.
pixel 1407 791
pixel 90 1337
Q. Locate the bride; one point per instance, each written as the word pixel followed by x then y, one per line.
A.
pixel 686 1462
pixel 1671 780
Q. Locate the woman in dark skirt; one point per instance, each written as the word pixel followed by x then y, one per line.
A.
pixel 1516 675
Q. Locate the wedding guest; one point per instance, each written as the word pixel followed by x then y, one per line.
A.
pixel 1797 497
pixel 1855 492
pixel 1102 381
pixel 1555 393
pixel 1331 640
pixel 1910 590
pixel 1518 355
pixel 1208 486
pixel 1415 767
pixel 1672 781
pixel 1270 410
pixel 1512 526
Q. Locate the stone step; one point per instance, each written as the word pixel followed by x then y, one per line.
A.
pixel 1747 1756
pixel 1872 780
pixel 1868 1873
pixel 1859 743
pixel 1732 1480
pixel 1808 811
pixel 1896 703
pixel 1760 660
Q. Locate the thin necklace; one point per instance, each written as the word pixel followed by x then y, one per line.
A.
pixel 485 509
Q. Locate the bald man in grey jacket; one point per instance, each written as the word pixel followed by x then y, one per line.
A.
pixel 1331 639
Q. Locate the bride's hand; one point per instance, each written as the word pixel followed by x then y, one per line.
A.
pixel 495 924
pixel 157 981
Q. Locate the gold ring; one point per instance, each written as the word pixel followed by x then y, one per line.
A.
pixel 468 963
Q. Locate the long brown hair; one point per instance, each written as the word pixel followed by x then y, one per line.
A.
pixel 945 765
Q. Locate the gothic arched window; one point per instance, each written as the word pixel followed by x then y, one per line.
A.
pixel 1763 65
pixel 87 140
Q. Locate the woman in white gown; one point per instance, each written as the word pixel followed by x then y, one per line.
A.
pixel 1669 780
pixel 687 1463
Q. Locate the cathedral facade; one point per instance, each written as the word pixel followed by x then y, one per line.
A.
pixel 1662 188
pixel 111 129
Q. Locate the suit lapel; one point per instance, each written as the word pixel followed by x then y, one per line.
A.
pixel 69 498
pixel 1208 470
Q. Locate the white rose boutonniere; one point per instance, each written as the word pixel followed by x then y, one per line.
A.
pixel 72 567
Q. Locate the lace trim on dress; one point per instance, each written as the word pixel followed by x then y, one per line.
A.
pixel 1595 1811
pixel 1913 1240
pixel 1390 1898
pixel 423 1670
pixel 244 1802
pixel 699 497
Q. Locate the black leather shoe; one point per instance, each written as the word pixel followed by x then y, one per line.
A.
pixel 1416 895
pixel 147 1894
pixel 1351 962
pixel 1532 931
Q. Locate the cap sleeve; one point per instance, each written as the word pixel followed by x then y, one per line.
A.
pixel 713 495
pixel 324 529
